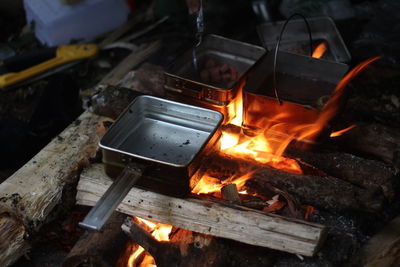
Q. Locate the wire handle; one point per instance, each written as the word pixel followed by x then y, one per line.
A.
pixel 199 37
pixel 274 80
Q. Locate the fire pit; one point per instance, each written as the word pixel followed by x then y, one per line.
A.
pixel 262 199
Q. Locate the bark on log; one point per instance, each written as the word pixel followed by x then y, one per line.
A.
pixel 323 192
pixel 369 174
pixel 375 140
pixel 99 248
pixel 32 192
pixel 239 223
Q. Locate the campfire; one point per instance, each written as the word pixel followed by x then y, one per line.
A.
pixel 239 151
pixel 267 147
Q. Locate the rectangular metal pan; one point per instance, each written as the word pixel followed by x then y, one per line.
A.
pixel 303 85
pixel 296 40
pixel 154 137
pixel 181 77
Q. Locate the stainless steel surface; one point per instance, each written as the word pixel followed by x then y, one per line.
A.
pixel 302 83
pixel 106 205
pixel 300 79
pixel 155 134
pixel 296 39
pixel 182 78
pixel 161 131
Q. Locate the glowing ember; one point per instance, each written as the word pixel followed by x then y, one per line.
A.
pixel 341 132
pixel 210 185
pixel 320 50
pixel 159 231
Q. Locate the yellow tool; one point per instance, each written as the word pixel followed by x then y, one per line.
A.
pixel 64 54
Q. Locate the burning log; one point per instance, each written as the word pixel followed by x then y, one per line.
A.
pixel 185 248
pixel 368 174
pixel 324 192
pixel 375 140
pixel 207 217
pixel 99 248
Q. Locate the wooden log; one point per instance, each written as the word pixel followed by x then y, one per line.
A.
pixel 374 139
pixel 32 192
pixel 12 242
pixel 230 192
pixel 323 192
pixel 239 223
pixel 366 173
pixel 99 248
pixel 382 250
pixel 131 61
pixel 112 100
pixel 185 248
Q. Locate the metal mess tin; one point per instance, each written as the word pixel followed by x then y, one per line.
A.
pixel 296 38
pixel 182 78
pixel 166 134
pixel 158 143
pixel 304 84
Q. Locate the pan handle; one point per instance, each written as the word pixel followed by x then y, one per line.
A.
pixel 103 209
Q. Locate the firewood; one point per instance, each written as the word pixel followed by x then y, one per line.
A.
pixel 207 217
pixel 30 194
pixel 373 139
pixel 99 248
pixel 111 101
pixel 185 248
pixel 12 240
pixel 131 61
pixel 230 192
pixel 382 250
pixel 323 192
pixel 366 173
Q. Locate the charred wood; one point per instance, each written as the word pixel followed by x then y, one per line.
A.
pixel 99 248
pixel 323 192
pixel 365 173
pixel 382 249
pixel 184 249
pixel 375 140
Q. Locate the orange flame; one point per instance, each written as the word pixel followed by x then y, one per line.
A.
pixel 210 185
pixel 159 231
pixel 341 132
pixel 268 146
pixel 320 50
